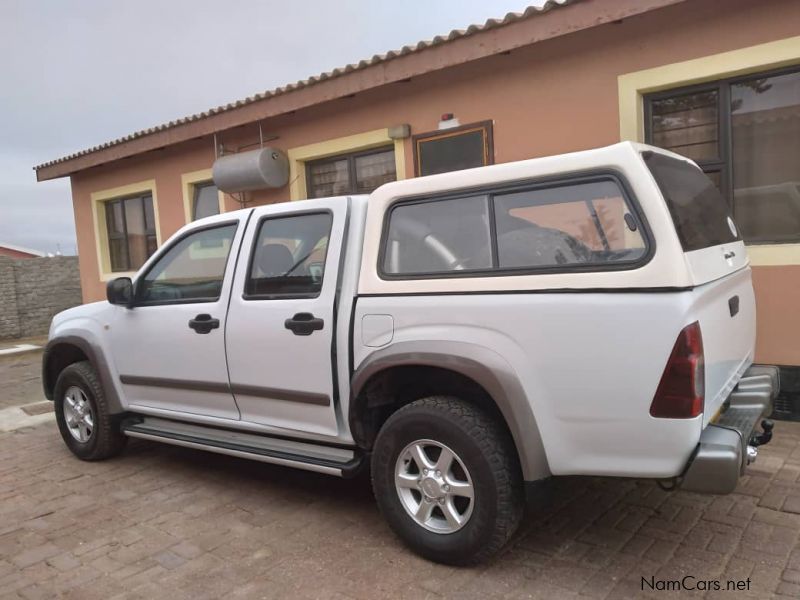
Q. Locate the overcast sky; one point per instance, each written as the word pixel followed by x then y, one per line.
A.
pixel 79 73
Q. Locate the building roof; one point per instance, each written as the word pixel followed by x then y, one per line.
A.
pixel 346 80
pixel 20 249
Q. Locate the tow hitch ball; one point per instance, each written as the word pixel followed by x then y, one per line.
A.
pixel 759 439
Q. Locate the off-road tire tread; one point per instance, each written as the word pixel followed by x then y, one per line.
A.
pixel 108 439
pixel 498 449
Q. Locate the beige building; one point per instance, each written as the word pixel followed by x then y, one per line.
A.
pixel 718 81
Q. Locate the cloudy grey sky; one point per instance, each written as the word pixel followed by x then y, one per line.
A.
pixel 75 74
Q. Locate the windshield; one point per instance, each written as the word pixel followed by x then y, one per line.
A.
pixel 699 211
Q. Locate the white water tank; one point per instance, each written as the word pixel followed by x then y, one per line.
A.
pixel 254 170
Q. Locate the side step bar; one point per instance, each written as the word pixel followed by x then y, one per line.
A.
pixel 342 462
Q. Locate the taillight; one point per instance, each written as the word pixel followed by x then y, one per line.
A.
pixel 681 392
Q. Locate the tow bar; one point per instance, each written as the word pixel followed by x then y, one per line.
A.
pixel 759 439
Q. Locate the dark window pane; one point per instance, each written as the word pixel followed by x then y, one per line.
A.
pixel 149 215
pixel 452 151
pixel 116 222
pixel 700 213
pixel 373 170
pixel 131 232
pixel 118 252
pixel 134 221
pixel 191 270
pixel 152 245
pixel 206 200
pixel 330 178
pixel 765 129
pixel 565 225
pixel 290 256
pixel 687 124
pixel 439 236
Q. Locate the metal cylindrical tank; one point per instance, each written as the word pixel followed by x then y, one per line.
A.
pixel 253 170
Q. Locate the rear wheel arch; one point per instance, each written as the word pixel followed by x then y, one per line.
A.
pixel 402 373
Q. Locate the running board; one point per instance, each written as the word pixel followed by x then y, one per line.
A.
pixel 342 462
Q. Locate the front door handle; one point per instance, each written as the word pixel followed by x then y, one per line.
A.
pixel 204 323
pixel 303 324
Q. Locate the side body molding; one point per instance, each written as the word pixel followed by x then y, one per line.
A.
pixel 95 356
pixel 484 366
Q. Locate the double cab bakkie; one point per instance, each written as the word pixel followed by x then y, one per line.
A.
pixel 461 335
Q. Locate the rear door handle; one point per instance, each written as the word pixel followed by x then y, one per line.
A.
pixel 303 324
pixel 204 323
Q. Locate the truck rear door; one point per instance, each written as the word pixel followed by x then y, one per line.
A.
pixel 722 299
pixel 281 321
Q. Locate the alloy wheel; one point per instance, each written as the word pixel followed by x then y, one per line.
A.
pixel 78 414
pixel 434 486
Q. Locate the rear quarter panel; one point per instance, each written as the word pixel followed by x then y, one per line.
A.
pixel 589 364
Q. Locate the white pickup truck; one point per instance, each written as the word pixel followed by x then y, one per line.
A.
pixel 462 335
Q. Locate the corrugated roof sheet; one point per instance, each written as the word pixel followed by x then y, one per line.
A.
pixel 455 34
pixel 22 249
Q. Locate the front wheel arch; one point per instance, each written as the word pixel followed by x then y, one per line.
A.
pixel 56 358
pixel 63 351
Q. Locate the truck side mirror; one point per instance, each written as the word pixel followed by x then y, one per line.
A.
pixel 120 291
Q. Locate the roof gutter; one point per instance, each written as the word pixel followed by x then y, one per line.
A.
pixel 438 54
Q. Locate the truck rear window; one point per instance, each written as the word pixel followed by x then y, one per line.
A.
pixel 558 226
pixel 699 212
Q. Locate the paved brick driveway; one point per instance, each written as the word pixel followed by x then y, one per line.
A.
pixel 164 522
pixel 21 377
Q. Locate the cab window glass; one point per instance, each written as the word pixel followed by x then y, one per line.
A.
pixel 289 257
pixel 439 236
pixel 191 271
pixel 699 212
pixel 584 223
pixel 581 224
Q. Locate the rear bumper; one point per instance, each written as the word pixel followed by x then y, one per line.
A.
pixel 725 447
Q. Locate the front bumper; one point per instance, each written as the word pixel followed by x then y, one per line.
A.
pixel 725 447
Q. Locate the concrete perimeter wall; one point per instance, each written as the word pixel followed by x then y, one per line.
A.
pixel 32 290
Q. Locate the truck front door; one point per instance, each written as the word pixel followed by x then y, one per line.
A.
pixel 169 349
pixel 280 328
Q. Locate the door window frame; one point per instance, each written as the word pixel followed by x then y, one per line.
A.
pixel 254 245
pixel 162 252
pixel 724 163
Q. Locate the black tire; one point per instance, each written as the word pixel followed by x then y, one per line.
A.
pixel 488 455
pixel 105 439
